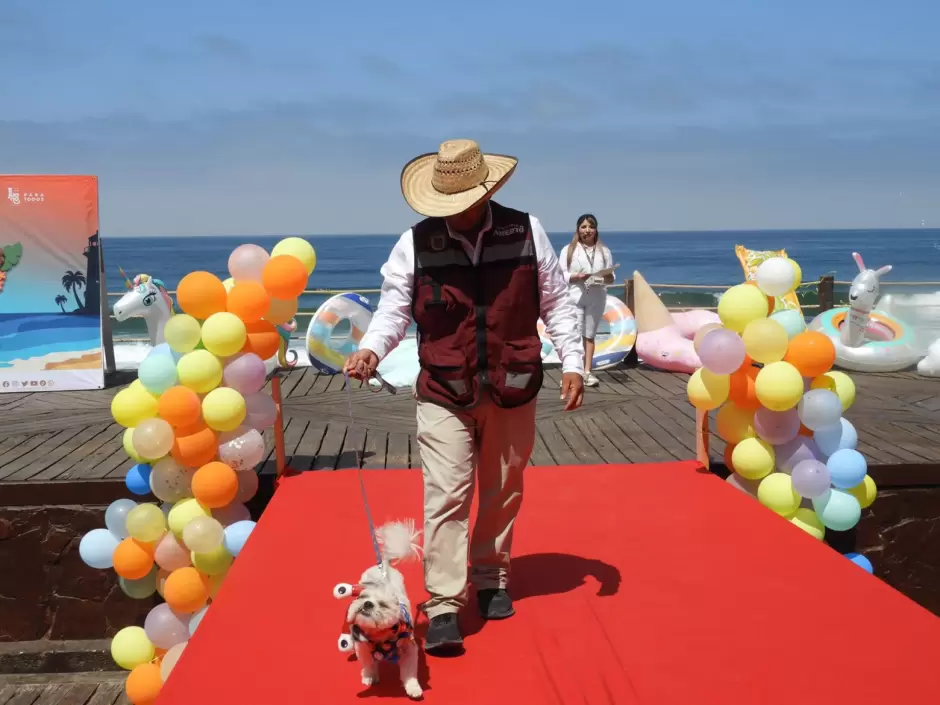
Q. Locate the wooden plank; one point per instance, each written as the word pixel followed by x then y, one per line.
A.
pixel 609 384
pixel 556 445
pixel 58 447
pixel 309 445
pixel 899 444
pixel 399 452
pixel 619 440
pixel 31 441
pixel 652 450
pixel 26 695
pixel 291 380
pixel 293 432
pixel 8 442
pixel 67 694
pixel 637 378
pixel 353 448
pixel 580 445
pixel 376 449
pixel 607 451
pixel 6 692
pixel 60 466
pixel 540 454
pixel 642 413
pixel 552 378
pixel 671 382
pixel 304 385
pixel 331 448
pixel 672 423
pixel 107 694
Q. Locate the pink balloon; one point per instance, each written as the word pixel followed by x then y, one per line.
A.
pixel 170 553
pixel 777 427
pixel 262 412
pixel 247 485
pixel 246 263
pixel 165 628
pixel 245 373
pixel 242 449
pixel 233 512
pixel 721 351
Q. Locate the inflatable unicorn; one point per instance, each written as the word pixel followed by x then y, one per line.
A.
pixel 146 298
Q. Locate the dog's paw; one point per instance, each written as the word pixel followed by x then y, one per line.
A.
pixel 370 678
pixel 413 689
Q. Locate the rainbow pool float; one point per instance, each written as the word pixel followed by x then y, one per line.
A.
pixel 609 351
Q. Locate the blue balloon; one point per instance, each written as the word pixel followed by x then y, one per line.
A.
pixel 157 372
pixel 847 468
pixel 837 510
pixel 165 349
pixel 97 548
pixel 138 479
pixel 236 535
pixel 840 436
pixel 792 321
pixel 861 561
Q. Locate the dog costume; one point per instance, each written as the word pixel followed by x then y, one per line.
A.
pixel 384 643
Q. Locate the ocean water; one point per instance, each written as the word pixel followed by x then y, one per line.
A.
pixel 46 333
pixel 703 258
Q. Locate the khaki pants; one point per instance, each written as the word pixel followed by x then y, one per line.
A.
pixel 497 444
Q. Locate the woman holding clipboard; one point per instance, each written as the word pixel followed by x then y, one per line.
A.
pixel 588 266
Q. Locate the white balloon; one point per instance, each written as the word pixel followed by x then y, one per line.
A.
pixel 241 449
pixel 775 276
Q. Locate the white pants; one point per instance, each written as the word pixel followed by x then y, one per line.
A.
pixel 590 314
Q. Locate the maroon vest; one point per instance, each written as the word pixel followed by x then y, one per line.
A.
pixel 477 324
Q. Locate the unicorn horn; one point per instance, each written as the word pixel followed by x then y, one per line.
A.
pixel 127 281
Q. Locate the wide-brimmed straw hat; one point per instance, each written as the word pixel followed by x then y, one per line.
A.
pixel 455 178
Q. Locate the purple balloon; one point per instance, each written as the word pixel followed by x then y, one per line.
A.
pixel 810 479
pixel 721 351
pixel 792 452
pixel 165 628
pixel 245 374
pixel 261 411
pixel 777 427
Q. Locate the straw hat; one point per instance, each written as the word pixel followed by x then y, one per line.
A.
pixel 455 179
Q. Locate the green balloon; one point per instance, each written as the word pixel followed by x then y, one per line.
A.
pixel 140 589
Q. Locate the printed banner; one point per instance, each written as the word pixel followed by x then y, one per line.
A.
pixel 50 293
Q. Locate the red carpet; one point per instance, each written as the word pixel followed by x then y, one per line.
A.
pixel 635 584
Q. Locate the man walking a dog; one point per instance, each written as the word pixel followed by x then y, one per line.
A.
pixel 475 276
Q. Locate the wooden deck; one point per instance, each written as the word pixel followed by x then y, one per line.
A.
pixel 636 415
pixel 64 689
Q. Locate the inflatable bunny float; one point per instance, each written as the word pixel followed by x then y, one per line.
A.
pixel 862 297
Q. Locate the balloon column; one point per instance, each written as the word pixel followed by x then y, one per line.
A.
pixel 779 408
pixel 193 422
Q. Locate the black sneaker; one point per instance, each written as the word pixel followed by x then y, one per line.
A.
pixel 495 604
pixel 443 635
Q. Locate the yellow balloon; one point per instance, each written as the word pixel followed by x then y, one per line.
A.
pixel 765 340
pixel 865 492
pixel 128 442
pixel 223 409
pixel 182 333
pixel 753 458
pixel 708 390
pixel 146 523
pixel 281 311
pixel 839 383
pixel 130 648
pixel 200 370
pixel 299 248
pixel 184 512
pixel 779 386
pixel 229 284
pixel 214 562
pixel 132 405
pixel 776 492
pixel 740 305
pixel 797 274
pixel 807 520
pixel 733 424
pixel 224 334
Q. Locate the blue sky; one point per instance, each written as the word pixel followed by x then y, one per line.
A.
pixel 296 117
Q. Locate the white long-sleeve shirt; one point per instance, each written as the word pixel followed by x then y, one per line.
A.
pixel 581 263
pixel 393 314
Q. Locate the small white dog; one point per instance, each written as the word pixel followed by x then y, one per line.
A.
pixel 379 623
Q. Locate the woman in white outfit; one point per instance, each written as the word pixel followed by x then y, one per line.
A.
pixel 581 260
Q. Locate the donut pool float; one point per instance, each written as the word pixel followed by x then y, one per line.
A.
pixel 326 352
pixel 611 350
pixel 890 343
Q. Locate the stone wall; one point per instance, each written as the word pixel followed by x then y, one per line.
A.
pixel 46 591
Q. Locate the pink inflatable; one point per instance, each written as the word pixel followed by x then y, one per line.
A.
pixel 664 339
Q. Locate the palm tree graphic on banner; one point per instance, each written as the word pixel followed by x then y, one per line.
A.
pixel 73 281
pixel 61 299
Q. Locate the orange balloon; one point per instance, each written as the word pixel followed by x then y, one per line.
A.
pixel 742 390
pixel 180 407
pixel 249 301
pixel 200 294
pixel 143 684
pixel 186 590
pixel 284 277
pixel 215 485
pixel 811 352
pixel 805 431
pixel 729 449
pixel 263 339
pixel 195 446
pixel 133 559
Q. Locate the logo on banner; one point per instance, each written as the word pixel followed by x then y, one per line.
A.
pixel 13 195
